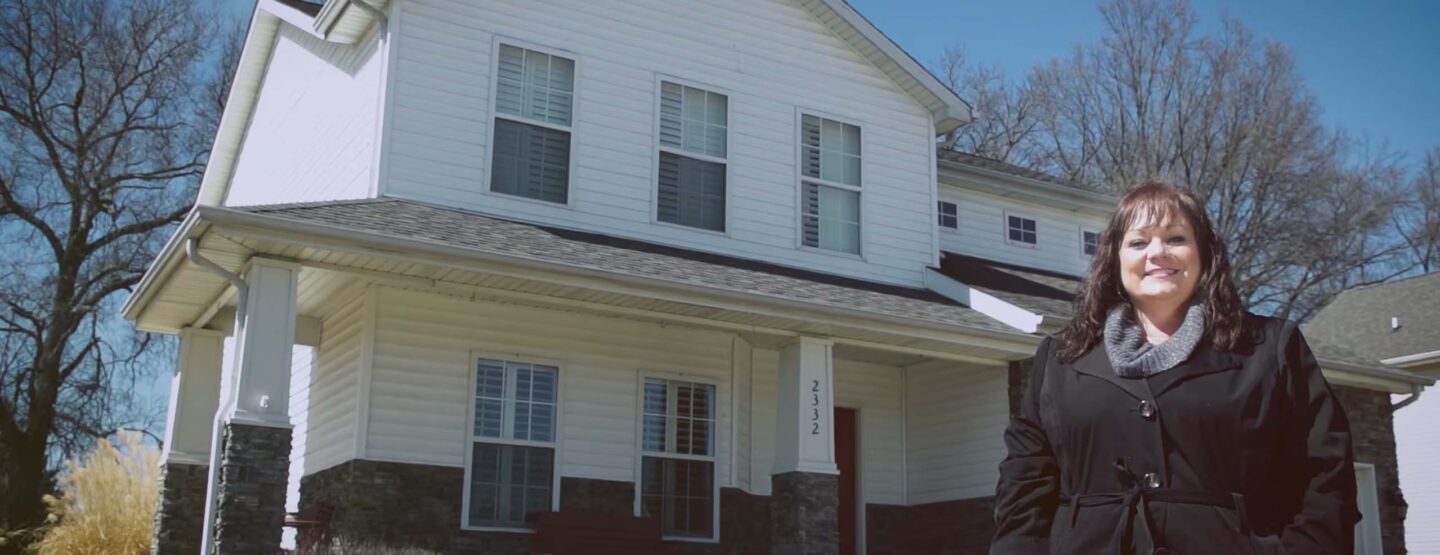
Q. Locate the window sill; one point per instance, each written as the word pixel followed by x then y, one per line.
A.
pixel 841 254
pixel 711 232
pixel 539 202
pixel 1021 244
pixel 689 539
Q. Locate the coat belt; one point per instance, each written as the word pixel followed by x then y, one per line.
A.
pixel 1136 498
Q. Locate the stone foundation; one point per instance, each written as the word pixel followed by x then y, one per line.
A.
pixel 804 510
pixel 250 510
pixel 1372 432
pixel 180 514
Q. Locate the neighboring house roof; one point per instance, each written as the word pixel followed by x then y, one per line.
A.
pixel 413 220
pixel 1359 319
pixel 1043 292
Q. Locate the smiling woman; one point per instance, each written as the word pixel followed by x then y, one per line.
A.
pixel 1166 419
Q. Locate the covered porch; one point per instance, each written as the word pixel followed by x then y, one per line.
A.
pixel 456 375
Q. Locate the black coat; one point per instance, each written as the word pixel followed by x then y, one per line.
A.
pixel 1229 452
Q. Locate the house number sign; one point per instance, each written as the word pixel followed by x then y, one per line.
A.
pixel 814 407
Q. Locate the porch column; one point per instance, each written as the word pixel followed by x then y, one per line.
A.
pixel 194 396
pixel 248 494
pixel 805 483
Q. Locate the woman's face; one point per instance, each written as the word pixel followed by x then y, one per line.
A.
pixel 1160 262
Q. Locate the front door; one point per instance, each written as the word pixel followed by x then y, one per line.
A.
pixel 845 458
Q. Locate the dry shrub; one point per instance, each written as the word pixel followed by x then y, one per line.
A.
pixel 344 547
pixel 106 503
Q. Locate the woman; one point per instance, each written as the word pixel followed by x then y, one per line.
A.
pixel 1166 419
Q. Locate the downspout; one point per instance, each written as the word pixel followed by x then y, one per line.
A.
pixel 192 252
pixel 1414 396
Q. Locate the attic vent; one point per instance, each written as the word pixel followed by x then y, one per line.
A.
pixel 1394 323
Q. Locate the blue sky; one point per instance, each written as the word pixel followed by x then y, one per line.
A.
pixel 1373 66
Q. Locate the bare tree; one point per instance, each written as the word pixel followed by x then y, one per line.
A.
pixel 1305 209
pixel 1418 222
pixel 106 113
pixel 1004 112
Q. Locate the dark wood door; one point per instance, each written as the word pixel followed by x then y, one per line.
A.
pixel 846 459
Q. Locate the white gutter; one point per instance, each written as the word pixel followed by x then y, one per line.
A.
pixel 1414 396
pixel 1416 359
pixel 982 302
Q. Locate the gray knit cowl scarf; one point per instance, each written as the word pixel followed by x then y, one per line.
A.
pixel 1134 357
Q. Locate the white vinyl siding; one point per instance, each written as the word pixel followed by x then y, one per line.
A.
pixel 982 232
pixel 829 184
pixel 1417 447
pixel 693 137
pixel 420 396
pixel 312 133
pixel 955 419
pixel 440 122
pixel 534 99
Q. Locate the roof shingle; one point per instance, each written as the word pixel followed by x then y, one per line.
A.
pixel 1359 319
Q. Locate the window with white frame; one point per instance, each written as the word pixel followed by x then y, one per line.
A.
pixel 1367 531
pixel 830 184
pixel 949 215
pixel 1020 229
pixel 693 153
pixel 1089 242
pixel 534 97
pixel 511 474
pixel 677 467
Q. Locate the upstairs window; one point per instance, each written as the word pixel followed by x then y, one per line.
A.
pixel 949 215
pixel 1089 242
pixel 677 452
pixel 830 184
pixel 1020 230
pixel 693 151
pixel 534 99
pixel 511 472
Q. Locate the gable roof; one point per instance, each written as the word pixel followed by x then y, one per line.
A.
pixel 995 177
pixel 1359 319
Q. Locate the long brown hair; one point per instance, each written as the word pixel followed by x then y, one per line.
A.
pixel 1156 202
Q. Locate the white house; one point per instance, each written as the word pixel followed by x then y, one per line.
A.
pixel 479 275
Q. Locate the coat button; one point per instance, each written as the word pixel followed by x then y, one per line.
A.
pixel 1152 480
pixel 1147 410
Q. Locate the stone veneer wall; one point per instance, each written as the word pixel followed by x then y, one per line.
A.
pixel 1372 432
pixel 180 514
pixel 397 504
pixel 250 506
pixel 804 509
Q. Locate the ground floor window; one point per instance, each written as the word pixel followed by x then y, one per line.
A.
pixel 677 454
pixel 510 470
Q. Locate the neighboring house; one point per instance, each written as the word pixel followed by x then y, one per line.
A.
pixel 1398 323
pixel 458 265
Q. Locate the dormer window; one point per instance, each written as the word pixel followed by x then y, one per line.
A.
pixel 1089 242
pixel 949 215
pixel 534 98
pixel 1020 230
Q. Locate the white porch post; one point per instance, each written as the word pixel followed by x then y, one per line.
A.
pixel 194 397
pixel 247 493
pixel 805 440
pixel 805 483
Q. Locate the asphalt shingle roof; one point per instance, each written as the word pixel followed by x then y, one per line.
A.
pixel 1002 167
pixel 1359 319
pixel 1040 291
pixel 406 219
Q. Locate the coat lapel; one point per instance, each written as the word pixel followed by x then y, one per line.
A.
pixel 1204 360
pixel 1096 363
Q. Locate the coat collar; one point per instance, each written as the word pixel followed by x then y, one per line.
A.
pixel 1205 360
